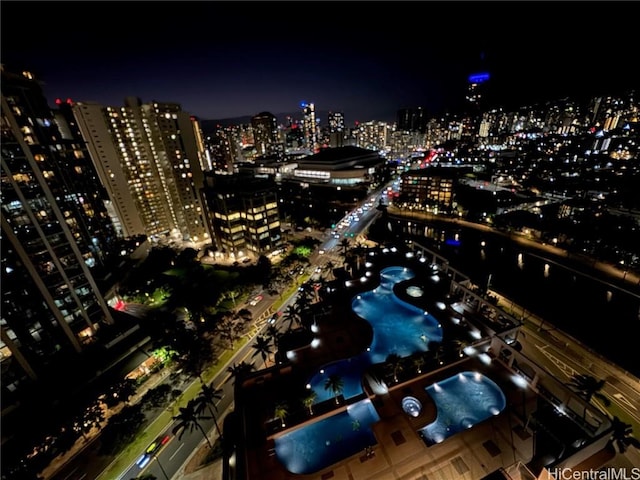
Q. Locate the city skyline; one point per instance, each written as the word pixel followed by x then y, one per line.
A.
pixel 226 60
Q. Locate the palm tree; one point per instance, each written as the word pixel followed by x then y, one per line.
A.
pixel 188 419
pixel 621 436
pixel 335 384
pixel 274 334
pixel 292 314
pixel 309 400
pixel 588 387
pixel 329 266
pixel 207 399
pixel 359 250
pixel 281 412
pixel 262 347
pixel 418 362
pixel 459 345
pixel 240 370
pixel 438 352
pixel 345 244
pixel 395 363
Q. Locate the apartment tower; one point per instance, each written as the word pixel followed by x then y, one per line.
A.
pixel 150 157
pixel 55 233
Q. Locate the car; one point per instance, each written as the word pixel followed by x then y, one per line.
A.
pixel 255 300
pixel 151 450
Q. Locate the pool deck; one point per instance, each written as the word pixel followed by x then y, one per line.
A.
pixel 402 454
pixel 500 442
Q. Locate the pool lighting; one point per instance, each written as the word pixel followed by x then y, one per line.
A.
pixel 422 259
pixel 426 313
pixel 455 320
pixel 314 328
pixel 385 250
pixel 475 334
pixel 462 377
pixel 441 305
pixel 519 380
pixel 484 358
pixel 367 274
pixel 477 376
pixel 363 278
pixel 348 283
pixel 394 250
pixel 315 343
pixel 291 355
pixel 494 411
pixel 359 297
pixel 368 264
pixel 409 254
pixel 437 387
pixel 308 386
pixel 435 278
pixel 469 350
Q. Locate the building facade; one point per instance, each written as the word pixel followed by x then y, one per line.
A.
pixel 265 135
pixel 243 214
pixel 55 230
pixel 151 159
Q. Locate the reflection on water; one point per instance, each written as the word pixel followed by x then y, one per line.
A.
pixel 600 316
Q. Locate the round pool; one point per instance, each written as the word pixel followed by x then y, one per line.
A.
pixel 411 406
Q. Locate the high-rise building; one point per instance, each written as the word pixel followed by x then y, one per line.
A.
pixel 151 159
pixel 373 135
pixel 265 134
pixel 412 119
pixel 244 215
pixel 477 90
pixel 429 188
pixel 55 229
pixel 336 129
pixel 310 127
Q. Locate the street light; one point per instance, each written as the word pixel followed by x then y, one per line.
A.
pixel 161 467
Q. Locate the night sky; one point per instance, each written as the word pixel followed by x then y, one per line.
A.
pixel 365 58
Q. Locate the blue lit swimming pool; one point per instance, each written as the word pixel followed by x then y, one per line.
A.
pixel 323 443
pixel 398 327
pixel 462 401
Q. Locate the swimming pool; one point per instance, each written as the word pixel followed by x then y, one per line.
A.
pixel 462 401
pixel 398 327
pixel 323 443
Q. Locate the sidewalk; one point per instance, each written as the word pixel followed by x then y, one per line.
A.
pixel 82 443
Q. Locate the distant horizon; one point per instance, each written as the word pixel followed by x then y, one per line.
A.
pixel 223 60
pixel 298 113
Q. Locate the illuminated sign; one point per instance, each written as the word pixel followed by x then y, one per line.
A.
pixel 478 77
